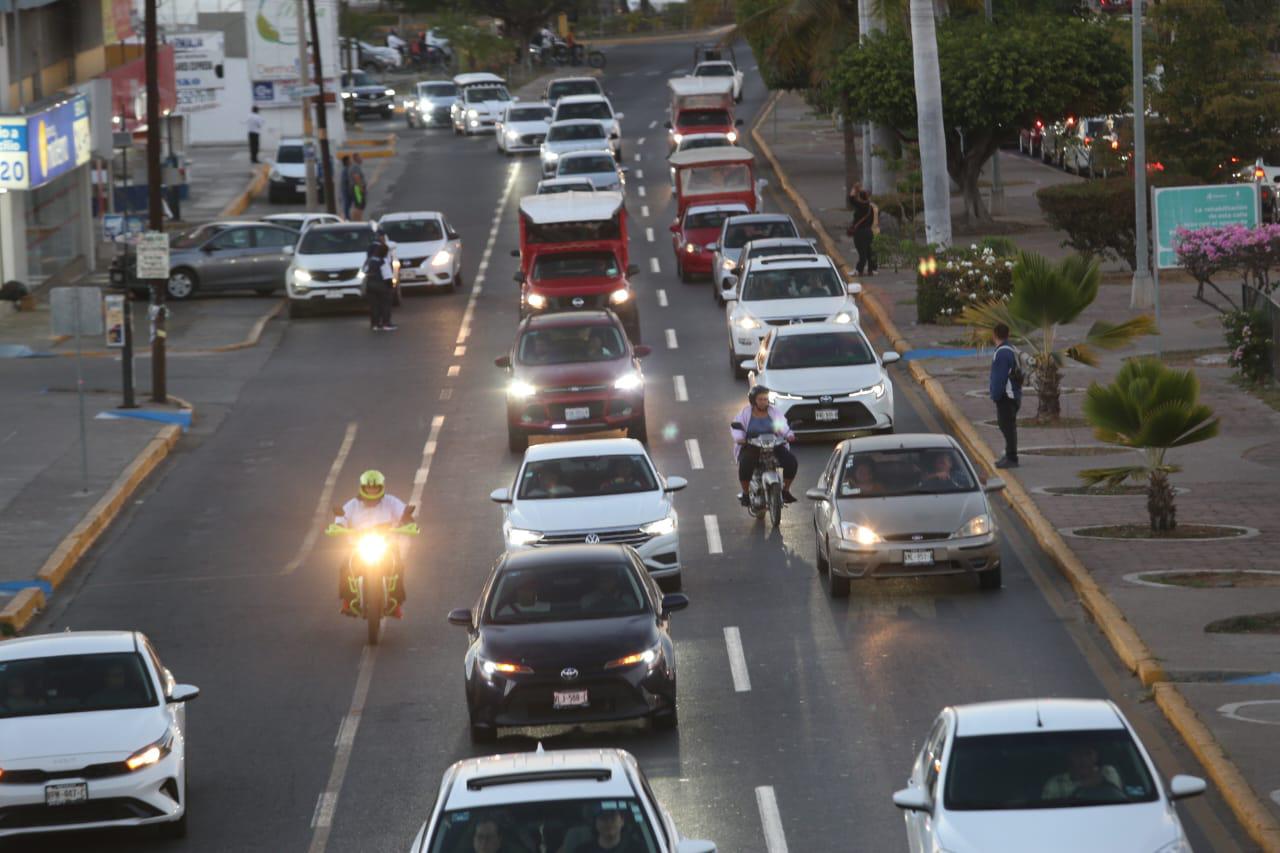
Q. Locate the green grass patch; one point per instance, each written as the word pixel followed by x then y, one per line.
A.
pixel 1253 623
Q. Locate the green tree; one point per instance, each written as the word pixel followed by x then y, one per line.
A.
pixel 1149 408
pixel 995 79
pixel 1045 297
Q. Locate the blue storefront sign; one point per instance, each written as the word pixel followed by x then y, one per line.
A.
pixel 35 149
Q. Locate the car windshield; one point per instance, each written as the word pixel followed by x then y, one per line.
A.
pixel 707 218
pixel 713 71
pixel 486 93
pixel 565 594
pixel 358 78
pixel 590 109
pixel 332 241
pixel 808 283
pixel 576 265
pixel 196 236
pixel 565 88
pixel 825 349
pixel 570 345
pixel 586 477
pixel 413 230
pixel 704 142
pixel 562 132
pixel 722 178
pixel 587 165
pixel 738 235
pixel 69 684
pixel 1047 770
pixel 290 154
pixel 705 118
pixel 440 90
pixel 529 114
pixel 513 827
pixel 569 186
pixel 905 471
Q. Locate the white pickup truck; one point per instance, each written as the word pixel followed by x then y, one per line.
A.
pixel 721 68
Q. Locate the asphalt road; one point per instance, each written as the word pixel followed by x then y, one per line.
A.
pixel 303 739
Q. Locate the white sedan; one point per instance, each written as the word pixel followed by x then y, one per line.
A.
pixel 1050 775
pixel 95 733
pixel 825 377
pixel 523 127
pixel 599 167
pixel 596 491
pixel 427 247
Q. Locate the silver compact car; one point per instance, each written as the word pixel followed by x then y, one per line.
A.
pixel 903 506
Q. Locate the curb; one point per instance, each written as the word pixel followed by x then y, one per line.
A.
pixel 256 185
pixel 369 147
pixel 1125 641
pixel 255 333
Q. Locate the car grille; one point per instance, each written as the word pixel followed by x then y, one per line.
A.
pixel 411 262
pixel 566 303
pixel 532 138
pixel 370 96
pixel 628 536
pixel 916 537
pixel 534 702
pixel 787 321
pixel 849 415
pixel 440 114
pixel 576 389
pixel 93 811
pixel 39 777
pixel 555 411
pixel 334 275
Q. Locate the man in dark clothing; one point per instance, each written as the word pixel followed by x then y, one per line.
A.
pixel 1006 393
pixel 863 231
pixel 378 277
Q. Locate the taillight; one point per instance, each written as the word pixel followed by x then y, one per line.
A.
pixel 1088 140
pixel 1259 173
pixel 1039 123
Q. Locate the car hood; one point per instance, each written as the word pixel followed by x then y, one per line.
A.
pixel 417 250
pixel 1098 829
pixel 367 90
pixel 585 644
pixel 778 309
pixel 604 512
pixel 563 146
pixel 111 735
pixel 906 514
pixel 569 375
pixel 814 381
pixel 338 261
pixel 701 236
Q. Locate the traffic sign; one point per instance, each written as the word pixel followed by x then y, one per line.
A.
pixel 1212 206
pixel 153 256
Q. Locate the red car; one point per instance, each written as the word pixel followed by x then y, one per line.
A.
pixel 694 235
pixel 573 372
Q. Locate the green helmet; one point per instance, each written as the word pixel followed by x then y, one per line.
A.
pixel 372 485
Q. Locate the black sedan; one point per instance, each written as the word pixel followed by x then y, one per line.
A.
pixel 569 634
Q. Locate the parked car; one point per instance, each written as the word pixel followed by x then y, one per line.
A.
pixel 370 57
pixel 363 95
pixel 1031 139
pixel 431 106
pixel 523 127
pixel 300 221
pixel 287 180
pixel 428 249
pixel 327 267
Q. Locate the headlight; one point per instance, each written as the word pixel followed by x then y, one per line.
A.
pixel 746 321
pixel 472 114
pixel 732 136
pixel 371 548
pixel 492 666
pixel 661 527
pixel 424 105
pixel 151 753
pixel 877 389
pixel 513 136
pixel 619 296
pixel 678 138
pixel 842 317
pixel 391 92
pixel 521 390
pixel 979 525
pixel 518 536
pixel 648 656
pixel 629 382
pixel 691 247
pixel 273 175
pixel 727 265
pixel 346 94
pixel 775 396
pixel 536 300
pixel 858 533
pixel 550 156
pixel 442 258
pixel 301 276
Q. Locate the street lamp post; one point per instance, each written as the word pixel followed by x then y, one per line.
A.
pixel 330 203
pixel 1142 294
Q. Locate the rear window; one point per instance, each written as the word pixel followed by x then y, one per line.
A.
pixel 337 241
pixel 69 684
pixel 705 118
pixel 562 132
pixel 592 109
pixel 587 165
pixel 413 230
pixel 739 234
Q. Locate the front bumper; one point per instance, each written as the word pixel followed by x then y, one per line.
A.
pixel 886 559
pixel 348 290
pixel 863 412
pixel 547 414
pixel 699 262
pixel 425 275
pixel 528 700
pixel 358 106
pixel 660 554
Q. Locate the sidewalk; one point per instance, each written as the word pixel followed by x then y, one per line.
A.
pixel 1231 480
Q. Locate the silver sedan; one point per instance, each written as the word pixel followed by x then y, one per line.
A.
pixel 903 506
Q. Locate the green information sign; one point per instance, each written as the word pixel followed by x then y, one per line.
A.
pixel 1200 207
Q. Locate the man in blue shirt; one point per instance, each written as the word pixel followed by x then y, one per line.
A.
pixel 1006 393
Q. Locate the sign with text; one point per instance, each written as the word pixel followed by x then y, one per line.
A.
pixel 36 149
pixel 153 256
pixel 115 318
pixel 273 48
pixel 1212 206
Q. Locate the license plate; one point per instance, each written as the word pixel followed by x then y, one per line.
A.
pixel 917 558
pixel 407 273
pixel 333 294
pixel 826 414
pixel 577 413
pixel 60 795
pixel 568 699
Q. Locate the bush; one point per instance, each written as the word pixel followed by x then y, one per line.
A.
pixel 1249 336
pixel 964 277
pixel 903 208
pixel 897 253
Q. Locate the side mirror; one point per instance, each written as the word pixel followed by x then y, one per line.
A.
pixel 502 361
pixel 1181 787
pixel 518 278
pixel 816 494
pixel 642 350
pixel 673 601
pixel 890 357
pixel 461 616
pixel 713 247
pixel 500 496
pixel 737 123
pixel 667 125
pixel 187 692
pixel 854 288
pixel 633 269
pixel 749 364
pixel 995 484
pixel 619 116
pixel 675 484
pixel 913 800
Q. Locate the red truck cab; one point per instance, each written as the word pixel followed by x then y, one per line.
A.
pixel 573 255
pixel 701 105
pixel 706 179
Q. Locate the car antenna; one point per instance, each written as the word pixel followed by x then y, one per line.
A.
pixel 1039 722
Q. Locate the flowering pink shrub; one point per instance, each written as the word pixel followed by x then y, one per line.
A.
pixel 1254 252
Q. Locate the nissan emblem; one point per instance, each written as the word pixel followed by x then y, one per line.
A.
pixel 825 398
pixel 578 302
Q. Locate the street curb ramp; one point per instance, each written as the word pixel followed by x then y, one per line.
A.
pixel 1244 802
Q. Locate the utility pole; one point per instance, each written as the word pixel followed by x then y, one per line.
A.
pixel 997 183
pixel 323 111
pixel 155 204
pixel 304 79
pixel 1142 294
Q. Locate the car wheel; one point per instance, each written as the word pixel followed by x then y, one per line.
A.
pixel 517 441
pixel 639 430
pixel 666 721
pixel 297 309
pixel 990 579
pixel 821 561
pixel 181 284
pixel 457 280
pixel 837 587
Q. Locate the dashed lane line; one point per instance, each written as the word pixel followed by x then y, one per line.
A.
pixel 478 285
pixel 644 210
pixel 428 454
pixel 648 234
pixel 653 124
pixel 662 298
pixel 327 803
pixel 737 662
pixel 672 343
pixel 682 390
pixel 640 141
pixel 637 159
pixel 714 546
pixel 640 174
pixel 640 190
pixel 653 266
pixel 323 506
pixel 774 839
pixel 695 453
pixel 454 370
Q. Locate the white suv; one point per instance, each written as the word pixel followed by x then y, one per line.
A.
pixel 496 801
pixel 596 491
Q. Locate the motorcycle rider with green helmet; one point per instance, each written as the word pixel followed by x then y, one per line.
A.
pixel 373 506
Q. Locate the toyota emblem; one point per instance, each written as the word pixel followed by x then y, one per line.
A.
pixel 578 302
pixel 825 398
pixel 593 539
pixel 569 674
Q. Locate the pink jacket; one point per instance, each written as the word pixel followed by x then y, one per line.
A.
pixel 780 427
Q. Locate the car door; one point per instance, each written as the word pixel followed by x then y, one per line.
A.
pixel 272 253
pixel 925 774
pixel 227 259
pixel 823 511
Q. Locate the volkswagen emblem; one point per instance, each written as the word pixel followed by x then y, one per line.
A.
pixel 825 398
pixel 593 539
pixel 569 674
pixel 577 302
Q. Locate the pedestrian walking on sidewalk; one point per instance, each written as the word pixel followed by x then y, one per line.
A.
pixel 862 230
pixel 359 189
pixel 378 276
pixel 344 186
pixel 256 124
pixel 1006 392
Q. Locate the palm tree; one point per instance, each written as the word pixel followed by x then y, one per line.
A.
pixel 1046 296
pixel 1149 408
pixel 933 140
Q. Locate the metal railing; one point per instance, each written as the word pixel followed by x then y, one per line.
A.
pixel 1253 299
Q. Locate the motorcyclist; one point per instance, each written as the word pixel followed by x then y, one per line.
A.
pixel 760 418
pixel 373 506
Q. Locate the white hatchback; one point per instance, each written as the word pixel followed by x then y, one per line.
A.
pixel 95 733
pixel 595 491
pixel 427 247
pixel 1050 775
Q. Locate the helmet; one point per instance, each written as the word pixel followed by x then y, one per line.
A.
pixel 756 391
pixel 372 485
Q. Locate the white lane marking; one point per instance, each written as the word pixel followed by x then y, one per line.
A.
pixel 446 393
pixel 672 343
pixel 640 141
pixel 654 73
pixel 640 174
pixel 653 124
pixel 459 351
pixel 428 453
pixel 648 234
pixel 464 331
pixel 627 74
pixel 644 210
pixel 454 370
pixel 637 159
pixel 738 669
pixel 328 803
pixel 640 190
pixel 682 390
pixel 323 508
pixel 774 839
pixel 653 265
pixel 713 534
pixel 695 453
pixel 662 298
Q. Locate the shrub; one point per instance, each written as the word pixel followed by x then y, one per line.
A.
pixel 897 253
pixel 1249 336
pixel 1204 252
pixel 963 277
pixel 905 208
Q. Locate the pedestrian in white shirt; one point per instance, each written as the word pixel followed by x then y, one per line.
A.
pixel 256 124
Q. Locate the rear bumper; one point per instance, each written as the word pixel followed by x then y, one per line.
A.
pixel 886 560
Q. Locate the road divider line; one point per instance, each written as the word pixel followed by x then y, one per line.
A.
pixel 322 820
pixel 653 265
pixel 639 172
pixel 477 285
pixel 644 210
pixel 653 124
pixel 640 141
pixel 695 453
pixel 662 298
pixel 640 190
pixel 648 234
pixel 324 509
pixel 454 370
pixel 774 839
pixel 682 390
pixel 672 343
pixel 714 545
pixel 459 350
pixel 428 453
pixel 637 159
pixel 738 669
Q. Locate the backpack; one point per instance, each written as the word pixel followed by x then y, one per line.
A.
pixel 1016 374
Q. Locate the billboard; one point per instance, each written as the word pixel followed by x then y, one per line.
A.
pixel 198 69
pixel 35 149
pixel 273 48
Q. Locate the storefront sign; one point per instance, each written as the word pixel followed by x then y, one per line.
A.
pixel 197 60
pixel 114 304
pixel 129 89
pixel 153 256
pixel 36 149
pixel 273 48
pixel 1213 206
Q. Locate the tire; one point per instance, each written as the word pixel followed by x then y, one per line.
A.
pixel 181 285
pixel 297 309
pixel 820 561
pixel 837 587
pixel 774 501
pixel 517 442
pixel 373 612
pixel 991 579
pixel 458 283
pixel 666 721
pixel 639 430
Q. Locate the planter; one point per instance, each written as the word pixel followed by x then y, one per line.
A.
pixel 1099 491
pixel 1206 579
pixel 1141 532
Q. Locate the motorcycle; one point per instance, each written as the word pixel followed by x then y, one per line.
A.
pixel 374 561
pixel 765 492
